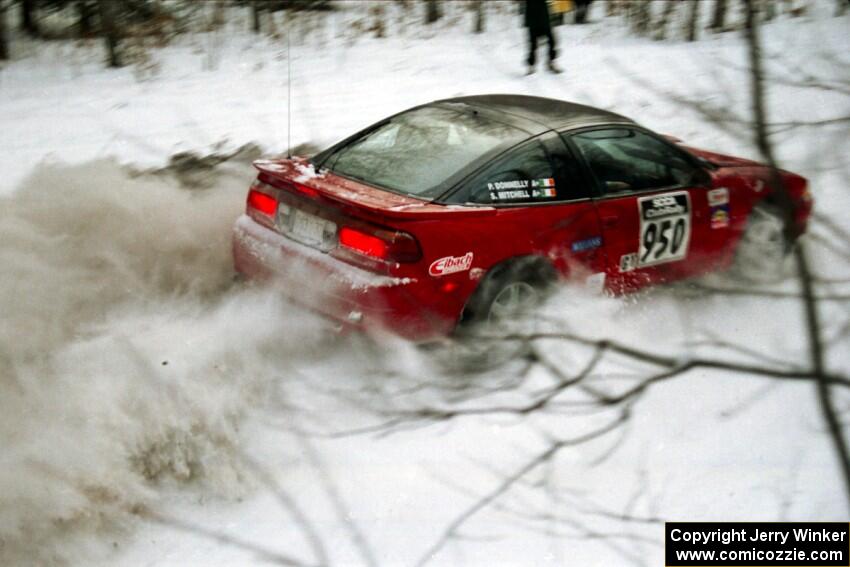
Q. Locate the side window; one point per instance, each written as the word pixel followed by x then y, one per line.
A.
pixel 624 160
pixel 571 183
pixel 524 175
pixel 535 172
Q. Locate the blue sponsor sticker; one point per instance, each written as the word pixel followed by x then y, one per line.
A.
pixel 587 244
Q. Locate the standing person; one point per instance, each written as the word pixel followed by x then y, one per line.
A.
pixel 538 24
pixel 582 7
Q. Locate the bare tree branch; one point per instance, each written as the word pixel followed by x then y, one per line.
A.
pixel 749 292
pixel 674 363
pixel 358 538
pixel 289 504
pixel 813 326
pixel 261 553
pixel 507 483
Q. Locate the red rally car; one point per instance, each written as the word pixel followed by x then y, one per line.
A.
pixel 465 209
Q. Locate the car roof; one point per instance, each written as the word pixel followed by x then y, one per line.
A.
pixel 536 114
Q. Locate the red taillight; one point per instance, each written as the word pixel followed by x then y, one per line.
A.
pixel 363 243
pixel 304 190
pixel 379 244
pixel 262 203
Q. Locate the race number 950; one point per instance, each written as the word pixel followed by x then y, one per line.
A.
pixel 665 228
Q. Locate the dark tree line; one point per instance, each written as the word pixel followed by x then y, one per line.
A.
pixel 114 20
pixel 103 18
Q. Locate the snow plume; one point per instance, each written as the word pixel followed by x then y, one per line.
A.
pixel 126 358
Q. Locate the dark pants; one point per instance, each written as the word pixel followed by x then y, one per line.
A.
pixel 532 45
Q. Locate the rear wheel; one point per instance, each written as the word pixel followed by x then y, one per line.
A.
pixel 761 253
pixel 513 300
pixel 506 295
pixel 499 307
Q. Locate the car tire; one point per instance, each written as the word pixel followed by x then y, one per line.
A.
pixel 506 294
pixel 763 248
pixel 497 308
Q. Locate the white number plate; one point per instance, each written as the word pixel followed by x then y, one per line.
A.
pixel 665 228
pixel 308 228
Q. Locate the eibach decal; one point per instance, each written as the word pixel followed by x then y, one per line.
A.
pixel 450 265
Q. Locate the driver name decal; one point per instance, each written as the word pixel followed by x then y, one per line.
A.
pixel 665 228
pixel 508 195
pixel 522 189
pixel 450 265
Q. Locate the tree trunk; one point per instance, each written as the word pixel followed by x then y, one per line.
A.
pixel 378 25
pixel 255 16
pixel 28 23
pixel 110 32
pixel 84 10
pixel 693 17
pixel 661 25
pixel 810 307
pixel 432 11
pixel 4 39
pixel 479 16
pixel 769 8
pixel 640 15
pixel 581 9
pixel 718 21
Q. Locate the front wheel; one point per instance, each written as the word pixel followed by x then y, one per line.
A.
pixel 763 248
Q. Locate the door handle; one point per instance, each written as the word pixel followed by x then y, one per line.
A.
pixel 610 221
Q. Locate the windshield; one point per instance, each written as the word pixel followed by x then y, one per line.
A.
pixel 417 152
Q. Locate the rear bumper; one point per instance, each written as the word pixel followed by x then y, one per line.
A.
pixel 335 289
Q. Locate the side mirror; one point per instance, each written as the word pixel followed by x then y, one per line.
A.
pixel 706 163
pixel 617 186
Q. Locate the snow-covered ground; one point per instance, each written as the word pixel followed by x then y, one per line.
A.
pixel 152 414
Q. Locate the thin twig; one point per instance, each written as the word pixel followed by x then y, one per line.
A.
pixel 452 529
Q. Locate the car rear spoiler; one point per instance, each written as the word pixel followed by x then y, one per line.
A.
pixel 299 176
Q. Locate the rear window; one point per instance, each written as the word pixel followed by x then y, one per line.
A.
pixel 420 152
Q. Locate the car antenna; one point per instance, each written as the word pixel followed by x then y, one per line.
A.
pixel 288 91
